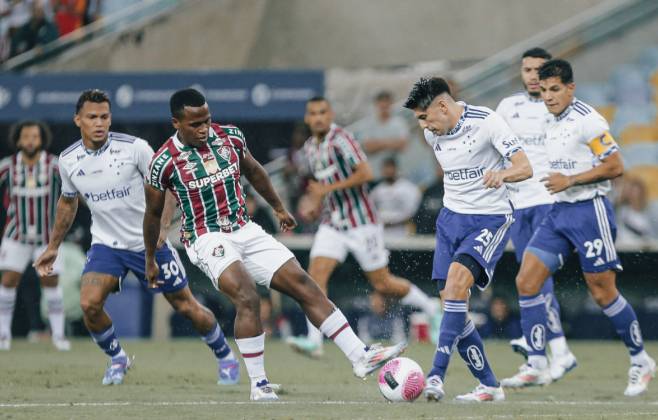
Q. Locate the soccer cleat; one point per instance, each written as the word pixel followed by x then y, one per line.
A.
pixel 560 365
pixel 527 376
pixel 483 393
pixel 263 392
pixel 434 389
pixel 5 343
pixel 61 344
pixel 377 356
pixel 639 377
pixel 228 372
pixel 305 346
pixel 520 346
pixel 117 369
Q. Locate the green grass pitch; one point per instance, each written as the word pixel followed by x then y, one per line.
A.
pixel 176 379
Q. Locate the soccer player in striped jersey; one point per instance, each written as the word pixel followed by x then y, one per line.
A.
pixel 583 158
pixel 526 114
pixel 107 169
pixel 471 143
pixel 349 219
pixel 31 184
pixel 201 164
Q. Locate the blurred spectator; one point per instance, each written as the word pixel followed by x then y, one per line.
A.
pixel 92 11
pixel 382 134
pixel 381 324
pixel 396 199
pixel 69 14
pixel 633 219
pixel 501 323
pixel 36 32
pixel 260 214
pixel 430 205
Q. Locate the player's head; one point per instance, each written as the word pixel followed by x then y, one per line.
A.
pixel 190 116
pixel 531 61
pixel 319 115
pixel 390 169
pixel 30 137
pixel 557 85
pixel 384 103
pixel 432 105
pixel 93 115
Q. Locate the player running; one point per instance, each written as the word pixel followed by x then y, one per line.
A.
pixel 108 169
pixel 31 183
pixel 349 222
pixel 471 144
pixel 583 157
pixel 526 113
pixel 201 164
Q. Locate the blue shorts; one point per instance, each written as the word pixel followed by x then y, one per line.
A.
pixel 586 226
pixel 526 222
pixel 117 262
pixel 483 237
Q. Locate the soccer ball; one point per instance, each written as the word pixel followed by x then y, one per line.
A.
pixel 401 379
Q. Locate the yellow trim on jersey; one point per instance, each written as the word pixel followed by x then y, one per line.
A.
pixel 602 144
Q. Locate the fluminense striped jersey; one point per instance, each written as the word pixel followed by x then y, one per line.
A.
pixel 30 197
pixel 204 180
pixel 332 160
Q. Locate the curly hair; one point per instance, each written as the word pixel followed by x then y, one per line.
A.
pixel 44 131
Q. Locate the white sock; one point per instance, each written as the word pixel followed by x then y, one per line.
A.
pixel 559 346
pixel 417 298
pixel 253 354
pixel 642 358
pixel 314 335
pixel 338 329
pixel 538 362
pixel 55 301
pixel 7 302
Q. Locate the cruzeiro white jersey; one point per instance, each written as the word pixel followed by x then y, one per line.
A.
pixel 111 181
pixel 479 143
pixel 527 116
pixel 577 140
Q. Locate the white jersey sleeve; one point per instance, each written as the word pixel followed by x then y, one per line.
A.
pixel 68 189
pixel 143 155
pixel 502 137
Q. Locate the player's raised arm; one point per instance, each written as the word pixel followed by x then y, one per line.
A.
pixel 155 203
pixel 67 207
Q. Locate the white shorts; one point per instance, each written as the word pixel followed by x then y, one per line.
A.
pixel 261 254
pixel 15 256
pixel 365 242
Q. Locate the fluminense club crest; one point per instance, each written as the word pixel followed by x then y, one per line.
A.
pixel 225 153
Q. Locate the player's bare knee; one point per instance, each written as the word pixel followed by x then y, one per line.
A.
pixel 602 289
pixel 527 285
pixel 91 307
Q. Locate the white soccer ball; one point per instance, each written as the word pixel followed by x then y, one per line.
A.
pixel 401 379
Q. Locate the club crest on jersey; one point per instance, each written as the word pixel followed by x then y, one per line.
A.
pixel 225 153
pixel 218 251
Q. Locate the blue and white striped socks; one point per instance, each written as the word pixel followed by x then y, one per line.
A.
pixel 623 318
pixel 452 326
pixel 533 324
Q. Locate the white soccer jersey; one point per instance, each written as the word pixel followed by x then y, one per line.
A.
pixel 479 142
pixel 111 181
pixel 577 140
pixel 527 116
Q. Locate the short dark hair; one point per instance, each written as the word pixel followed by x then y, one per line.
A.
pixel 390 160
pixel 424 91
pixel 92 95
pixel 44 131
pixel 185 97
pixel 384 95
pixel 557 68
pixel 316 98
pixel 537 53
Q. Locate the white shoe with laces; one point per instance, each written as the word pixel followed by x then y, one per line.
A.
pixel 434 389
pixel 483 393
pixel 263 392
pixel 527 376
pixel 639 377
pixel 375 357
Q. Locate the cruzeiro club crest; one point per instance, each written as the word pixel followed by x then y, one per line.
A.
pixel 218 251
pixel 475 357
pixel 538 337
pixel 225 153
pixel 636 334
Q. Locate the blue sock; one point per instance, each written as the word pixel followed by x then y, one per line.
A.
pixel 533 323
pixel 217 342
pixel 623 318
pixel 554 324
pixel 107 341
pixel 471 349
pixel 452 325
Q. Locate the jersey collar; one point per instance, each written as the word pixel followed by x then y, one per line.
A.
pixel 101 149
pixel 180 146
pixel 532 98
pixel 566 111
pixel 454 130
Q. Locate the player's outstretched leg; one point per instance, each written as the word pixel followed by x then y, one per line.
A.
pixel 10 280
pixel 621 314
pixel 204 322
pixel 94 289
pixel 236 283
pixel 292 280
pixel 562 360
pixel 55 302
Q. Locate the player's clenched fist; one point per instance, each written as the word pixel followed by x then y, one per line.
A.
pixel 286 220
pixel 152 273
pixel 44 264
